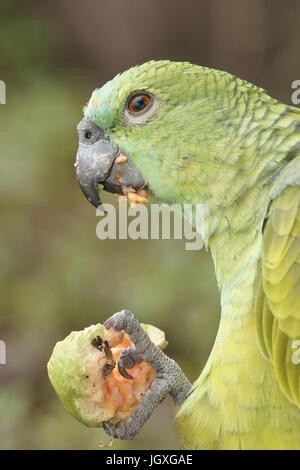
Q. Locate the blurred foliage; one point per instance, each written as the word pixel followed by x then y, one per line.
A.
pixel 55 275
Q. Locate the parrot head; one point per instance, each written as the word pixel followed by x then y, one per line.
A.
pixel 167 127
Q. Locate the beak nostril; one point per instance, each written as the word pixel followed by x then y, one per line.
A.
pixel 88 135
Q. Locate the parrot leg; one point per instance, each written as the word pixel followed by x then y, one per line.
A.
pixel 169 376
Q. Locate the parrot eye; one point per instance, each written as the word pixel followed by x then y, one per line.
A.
pixel 141 107
pixel 139 102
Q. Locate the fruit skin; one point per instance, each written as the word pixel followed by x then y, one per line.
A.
pixel 156 335
pixel 67 370
pixel 74 371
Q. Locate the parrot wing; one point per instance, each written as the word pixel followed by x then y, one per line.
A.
pixel 277 308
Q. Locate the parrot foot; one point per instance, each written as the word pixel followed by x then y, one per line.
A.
pixel 169 376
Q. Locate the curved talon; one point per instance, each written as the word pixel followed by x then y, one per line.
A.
pixel 124 372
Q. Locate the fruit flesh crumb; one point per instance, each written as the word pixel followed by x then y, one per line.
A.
pixel 135 197
pixel 121 158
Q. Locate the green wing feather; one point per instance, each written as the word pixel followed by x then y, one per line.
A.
pixel 278 299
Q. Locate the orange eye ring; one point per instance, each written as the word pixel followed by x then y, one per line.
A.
pixel 139 102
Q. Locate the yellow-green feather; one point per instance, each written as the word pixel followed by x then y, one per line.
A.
pixel 280 286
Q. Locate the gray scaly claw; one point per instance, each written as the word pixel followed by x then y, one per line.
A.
pixel 169 376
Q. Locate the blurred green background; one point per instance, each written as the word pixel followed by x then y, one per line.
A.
pixel 55 275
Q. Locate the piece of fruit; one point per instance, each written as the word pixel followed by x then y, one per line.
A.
pixel 83 372
pixel 139 196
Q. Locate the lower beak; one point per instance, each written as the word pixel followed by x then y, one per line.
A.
pixel 103 163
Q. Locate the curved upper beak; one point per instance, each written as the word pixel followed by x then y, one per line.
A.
pixel 103 162
pixel 93 163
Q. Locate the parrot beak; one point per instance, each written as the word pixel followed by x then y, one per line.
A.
pixel 103 163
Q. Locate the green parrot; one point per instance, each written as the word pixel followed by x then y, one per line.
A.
pixel 194 135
